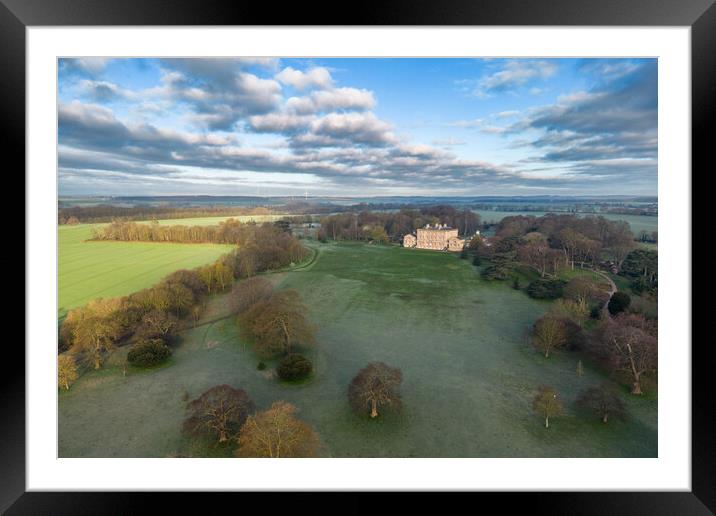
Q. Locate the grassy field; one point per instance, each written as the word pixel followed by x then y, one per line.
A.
pixel 88 270
pixel 469 375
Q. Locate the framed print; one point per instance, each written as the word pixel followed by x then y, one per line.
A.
pixel 417 250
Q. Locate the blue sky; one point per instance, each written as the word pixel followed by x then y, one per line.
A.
pixel 357 127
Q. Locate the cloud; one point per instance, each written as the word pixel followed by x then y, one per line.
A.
pixel 83 65
pixel 357 127
pixel 610 130
pixel 103 91
pixel 514 74
pixel 448 142
pixel 313 78
pixel 332 100
pixel 219 91
pixel 285 123
pixel 601 136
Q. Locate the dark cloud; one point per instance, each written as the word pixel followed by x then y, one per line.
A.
pixel 610 130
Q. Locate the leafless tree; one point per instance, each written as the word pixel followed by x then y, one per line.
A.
pixel 374 386
pixel 277 433
pixel 218 412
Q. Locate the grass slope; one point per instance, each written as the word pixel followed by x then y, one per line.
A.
pixel 469 375
pixel 88 270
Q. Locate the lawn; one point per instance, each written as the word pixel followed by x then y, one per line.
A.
pixel 468 373
pixel 88 270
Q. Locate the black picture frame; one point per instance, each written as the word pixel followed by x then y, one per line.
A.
pixel 700 15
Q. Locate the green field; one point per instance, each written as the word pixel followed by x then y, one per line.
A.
pixel 469 374
pixel 88 270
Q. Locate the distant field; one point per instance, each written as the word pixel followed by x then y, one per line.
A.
pixel 469 375
pixel 88 270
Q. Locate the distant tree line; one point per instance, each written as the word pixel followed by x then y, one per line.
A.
pixel 108 213
pixel 384 226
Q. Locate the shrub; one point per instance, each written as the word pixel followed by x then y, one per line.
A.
pixel 148 353
pixel 619 302
pixel 261 366
pixel 294 367
pixel 546 288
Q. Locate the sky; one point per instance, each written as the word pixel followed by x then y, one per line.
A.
pixel 357 127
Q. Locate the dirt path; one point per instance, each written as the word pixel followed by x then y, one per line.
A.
pixel 611 284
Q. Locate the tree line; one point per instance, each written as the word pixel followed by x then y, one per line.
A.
pixel 384 226
pixel 108 213
pixel 149 319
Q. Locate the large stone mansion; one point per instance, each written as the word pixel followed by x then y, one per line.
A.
pixel 439 238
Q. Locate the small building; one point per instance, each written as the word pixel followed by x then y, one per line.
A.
pixel 438 238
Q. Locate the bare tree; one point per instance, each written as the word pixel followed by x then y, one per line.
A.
pixel 375 385
pixel 632 345
pixel 218 412
pixel 277 323
pixel 603 400
pixel 277 433
pixel 547 403
pixel 66 370
pixel 157 323
pixel 248 292
pixel 548 333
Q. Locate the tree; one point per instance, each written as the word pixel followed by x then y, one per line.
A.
pixel 547 403
pixel 277 323
pixel 223 275
pixel 569 310
pixel 546 288
pixel 619 302
pixel 157 324
pixel 248 292
pixel 585 290
pixel 148 353
pixel 548 333
pixel 206 273
pixel 619 241
pixel 294 367
pixel 196 313
pixel 630 342
pixel 277 433
pixel 190 279
pixel 641 263
pixel 378 234
pixel 218 412
pixel 501 263
pixel 603 400
pixel 94 335
pixel 66 371
pixel 375 385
